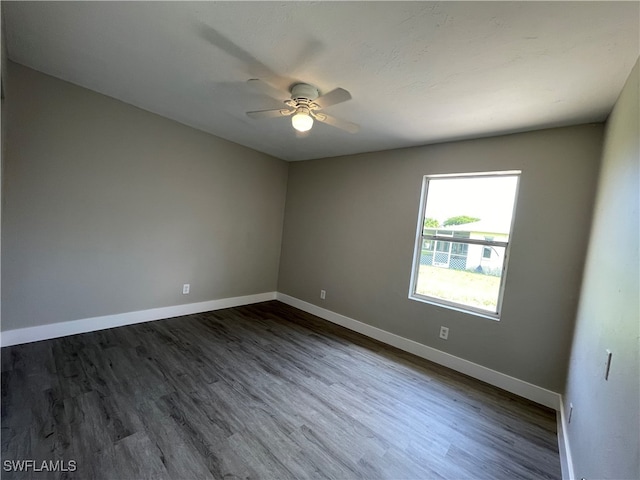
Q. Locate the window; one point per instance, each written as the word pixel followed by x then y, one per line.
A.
pixel 462 241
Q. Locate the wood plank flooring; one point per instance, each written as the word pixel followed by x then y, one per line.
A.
pixel 263 392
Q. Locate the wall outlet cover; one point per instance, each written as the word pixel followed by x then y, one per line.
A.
pixel 444 333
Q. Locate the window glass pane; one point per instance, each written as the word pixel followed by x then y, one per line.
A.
pixel 462 275
pixel 474 206
pixel 443 246
pixel 459 249
pixel 464 211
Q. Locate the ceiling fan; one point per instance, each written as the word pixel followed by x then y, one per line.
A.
pixel 304 105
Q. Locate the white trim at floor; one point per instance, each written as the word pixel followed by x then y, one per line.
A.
pixel 514 385
pixel 566 461
pixel 501 380
pixel 493 377
pixel 62 329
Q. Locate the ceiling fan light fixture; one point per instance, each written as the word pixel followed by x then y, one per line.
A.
pixel 302 121
pixel 304 106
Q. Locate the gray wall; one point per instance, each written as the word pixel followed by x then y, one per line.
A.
pixel 110 209
pixel 604 432
pixel 350 229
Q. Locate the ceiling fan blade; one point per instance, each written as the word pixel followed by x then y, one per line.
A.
pixel 308 52
pixel 254 66
pixel 266 89
pixel 338 95
pixel 336 122
pixel 281 112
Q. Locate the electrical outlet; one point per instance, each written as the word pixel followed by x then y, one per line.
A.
pixel 186 288
pixel 323 294
pixel 444 333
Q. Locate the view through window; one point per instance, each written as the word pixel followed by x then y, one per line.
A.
pixel 462 240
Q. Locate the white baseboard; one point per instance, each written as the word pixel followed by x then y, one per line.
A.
pixel 566 461
pixel 62 329
pixel 511 384
pixel 493 377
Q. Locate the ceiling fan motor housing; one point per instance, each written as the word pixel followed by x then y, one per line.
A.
pixel 303 91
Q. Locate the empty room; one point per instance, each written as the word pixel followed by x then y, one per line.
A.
pixel 342 240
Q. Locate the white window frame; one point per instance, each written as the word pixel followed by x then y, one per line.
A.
pixel 420 237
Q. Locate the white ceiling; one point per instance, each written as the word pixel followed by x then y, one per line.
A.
pixel 418 72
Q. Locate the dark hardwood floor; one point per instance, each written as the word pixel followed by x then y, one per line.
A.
pixel 262 391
